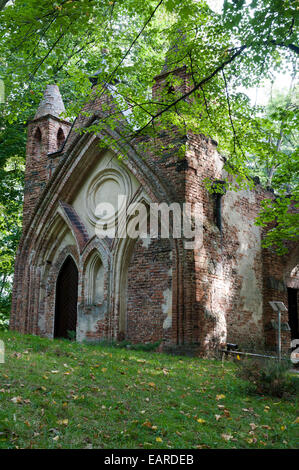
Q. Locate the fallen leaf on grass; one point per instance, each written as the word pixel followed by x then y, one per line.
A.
pixel 147 424
pixel 220 397
pixel 251 440
pixel 65 422
pixel 158 439
pixel 226 437
pixel 17 400
pixel 201 421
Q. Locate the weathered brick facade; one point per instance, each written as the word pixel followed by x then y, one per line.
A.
pixel 142 290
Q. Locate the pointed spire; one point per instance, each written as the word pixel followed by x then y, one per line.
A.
pixel 51 103
pixel 176 52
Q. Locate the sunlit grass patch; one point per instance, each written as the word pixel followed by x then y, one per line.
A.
pixel 61 394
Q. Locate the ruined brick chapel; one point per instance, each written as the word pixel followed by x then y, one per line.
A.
pixel 67 279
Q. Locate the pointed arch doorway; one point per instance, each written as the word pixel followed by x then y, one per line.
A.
pixel 66 300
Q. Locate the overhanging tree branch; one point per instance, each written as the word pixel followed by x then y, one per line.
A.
pixel 292 47
pixel 195 87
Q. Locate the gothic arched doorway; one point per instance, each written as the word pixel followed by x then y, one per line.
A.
pixel 66 300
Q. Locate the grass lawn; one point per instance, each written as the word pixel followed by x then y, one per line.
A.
pixel 60 394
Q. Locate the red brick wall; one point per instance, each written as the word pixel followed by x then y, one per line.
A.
pixel 149 280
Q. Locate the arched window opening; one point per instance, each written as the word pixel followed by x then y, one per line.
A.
pixel 37 143
pixel 95 281
pixel 60 138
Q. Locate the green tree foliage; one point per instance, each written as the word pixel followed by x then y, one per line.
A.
pixel 127 41
pixel 11 189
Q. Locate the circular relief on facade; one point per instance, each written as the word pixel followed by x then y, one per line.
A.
pixel 107 196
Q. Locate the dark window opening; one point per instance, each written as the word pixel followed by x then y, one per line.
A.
pixel 218 218
pixel 60 138
pixel 37 143
pixel 293 312
pixel 219 189
pixel 66 300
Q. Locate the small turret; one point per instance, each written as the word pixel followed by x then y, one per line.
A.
pixel 51 104
pixel 174 77
pixel 46 134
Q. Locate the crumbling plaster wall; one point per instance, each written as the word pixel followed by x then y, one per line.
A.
pixel 244 254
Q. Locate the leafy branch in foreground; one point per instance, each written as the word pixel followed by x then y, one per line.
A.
pixel 126 42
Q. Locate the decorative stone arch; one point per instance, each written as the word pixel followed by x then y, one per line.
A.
pixel 95 244
pixel 93 309
pixel 96 256
pixel 49 239
pixel 46 243
pixel 124 251
pixel 122 258
pixel 94 280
